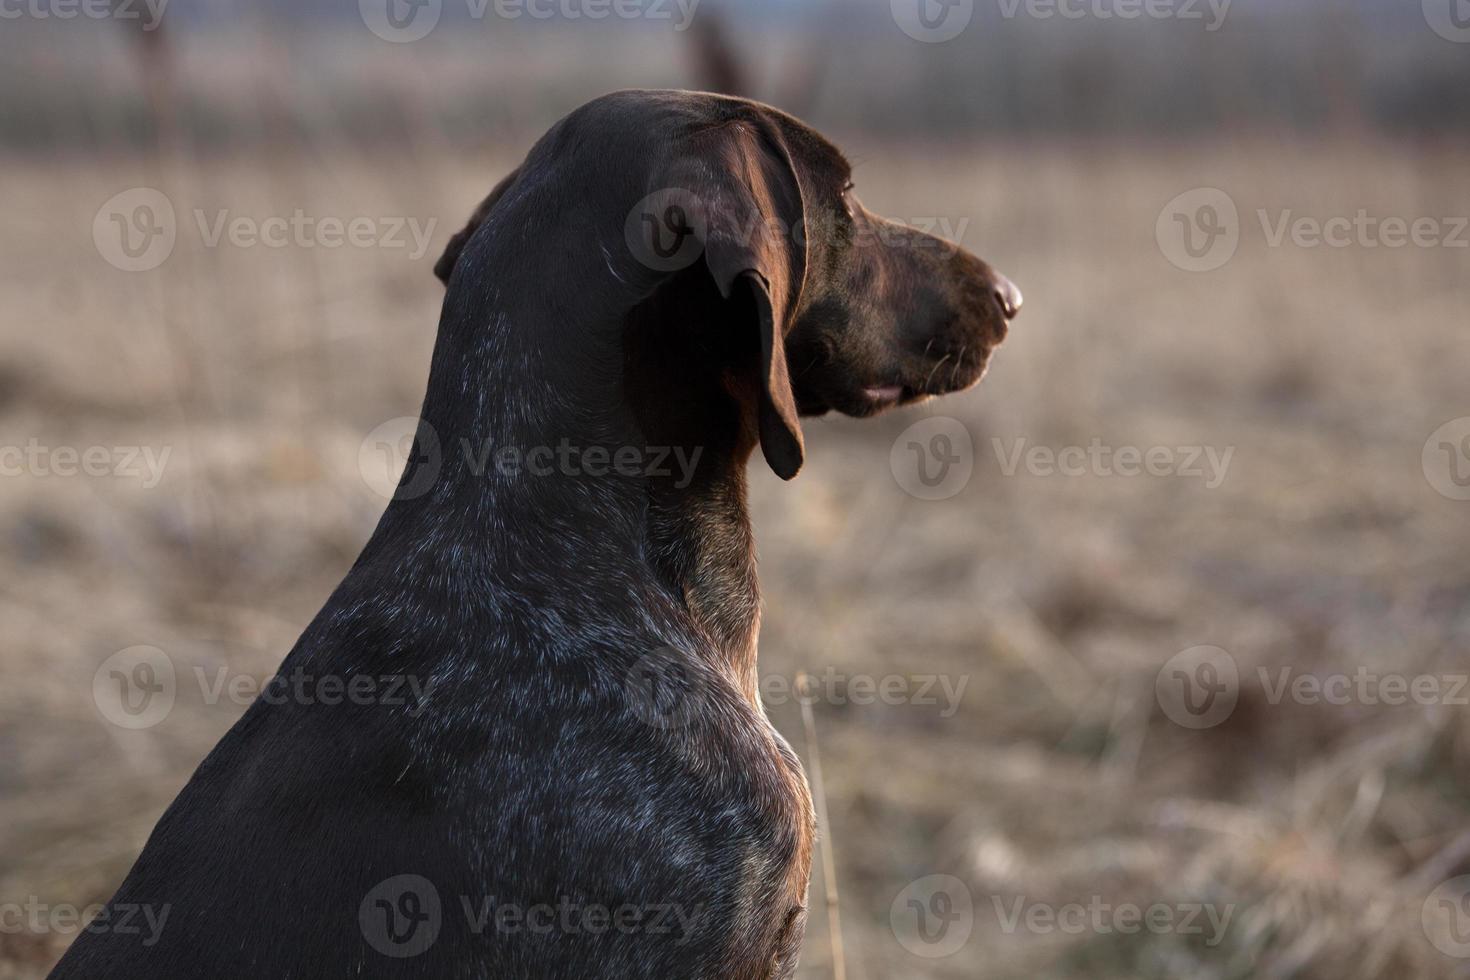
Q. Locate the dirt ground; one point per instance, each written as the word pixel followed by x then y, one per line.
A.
pixel 1027 625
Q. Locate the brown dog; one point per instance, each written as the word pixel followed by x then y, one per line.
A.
pixel 591 788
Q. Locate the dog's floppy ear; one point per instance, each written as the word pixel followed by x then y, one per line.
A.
pixel 744 203
pixel 445 266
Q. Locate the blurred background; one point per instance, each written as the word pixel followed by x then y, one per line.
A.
pixel 1171 614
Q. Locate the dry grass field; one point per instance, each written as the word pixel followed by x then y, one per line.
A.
pixel 1291 840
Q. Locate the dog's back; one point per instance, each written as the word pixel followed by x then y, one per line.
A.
pixel 523 812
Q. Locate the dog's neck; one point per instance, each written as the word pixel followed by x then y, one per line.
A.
pixel 584 378
pixel 689 379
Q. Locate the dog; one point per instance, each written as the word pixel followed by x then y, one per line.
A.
pixel 587 785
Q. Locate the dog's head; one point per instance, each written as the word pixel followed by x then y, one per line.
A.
pixel 841 309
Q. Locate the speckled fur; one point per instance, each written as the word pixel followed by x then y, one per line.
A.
pixel 526 605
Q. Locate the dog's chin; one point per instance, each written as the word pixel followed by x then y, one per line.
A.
pixel 862 403
pixel 875 399
pixel 870 400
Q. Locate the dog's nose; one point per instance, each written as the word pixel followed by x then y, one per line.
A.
pixel 1008 294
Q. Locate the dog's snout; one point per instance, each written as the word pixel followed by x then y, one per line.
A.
pixel 1008 294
